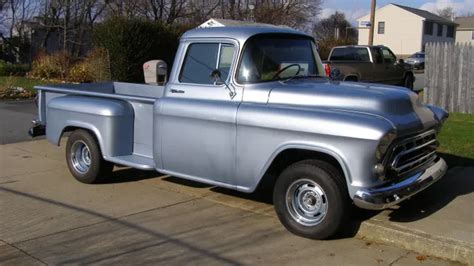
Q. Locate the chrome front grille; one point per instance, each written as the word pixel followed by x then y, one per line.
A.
pixel 413 152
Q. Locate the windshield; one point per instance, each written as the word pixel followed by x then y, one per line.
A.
pixel 267 58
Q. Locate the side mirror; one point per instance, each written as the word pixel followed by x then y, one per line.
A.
pixel 216 77
pixel 401 61
pixel 335 73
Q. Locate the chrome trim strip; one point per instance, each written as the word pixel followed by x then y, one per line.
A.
pixel 415 162
pixel 397 158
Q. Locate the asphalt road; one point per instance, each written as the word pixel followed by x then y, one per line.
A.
pixel 15 120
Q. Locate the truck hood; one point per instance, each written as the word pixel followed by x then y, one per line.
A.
pixel 397 105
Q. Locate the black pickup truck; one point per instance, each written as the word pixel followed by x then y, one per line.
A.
pixel 375 64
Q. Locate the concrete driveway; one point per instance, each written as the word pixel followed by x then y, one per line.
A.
pixel 145 218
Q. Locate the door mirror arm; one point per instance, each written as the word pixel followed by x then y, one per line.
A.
pixel 216 78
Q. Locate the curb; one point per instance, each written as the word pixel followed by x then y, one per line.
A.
pixel 417 241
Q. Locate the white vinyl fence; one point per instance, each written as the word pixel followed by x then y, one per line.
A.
pixel 449 76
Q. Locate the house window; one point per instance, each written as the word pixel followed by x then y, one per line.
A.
pixel 428 28
pixel 440 29
pixel 450 32
pixel 381 29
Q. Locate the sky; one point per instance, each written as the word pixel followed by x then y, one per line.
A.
pixel 355 9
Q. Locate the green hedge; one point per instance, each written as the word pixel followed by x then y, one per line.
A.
pixel 131 42
pixel 8 69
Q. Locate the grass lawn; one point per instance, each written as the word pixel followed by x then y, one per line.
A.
pixel 23 82
pixel 457 140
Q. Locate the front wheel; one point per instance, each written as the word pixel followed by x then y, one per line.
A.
pixel 311 199
pixel 84 158
pixel 408 82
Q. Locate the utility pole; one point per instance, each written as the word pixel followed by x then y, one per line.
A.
pixel 372 22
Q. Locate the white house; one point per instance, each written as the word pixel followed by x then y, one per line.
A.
pixel 465 30
pixel 406 30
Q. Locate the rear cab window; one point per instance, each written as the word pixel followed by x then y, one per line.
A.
pixel 360 54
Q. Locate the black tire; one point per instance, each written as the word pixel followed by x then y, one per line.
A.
pixel 319 175
pixel 408 82
pixel 84 158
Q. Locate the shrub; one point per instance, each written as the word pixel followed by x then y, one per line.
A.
pixel 8 69
pixel 93 68
pixel 131 42
pixel 80 72
pixel 54 66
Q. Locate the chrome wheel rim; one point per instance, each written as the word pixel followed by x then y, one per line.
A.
pixel 306 202
pixel 80 157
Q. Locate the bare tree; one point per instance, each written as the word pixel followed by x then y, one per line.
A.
pixel 14 17
pixel 336 24
pixel 447 12
pixel 293 13
pixel 166 11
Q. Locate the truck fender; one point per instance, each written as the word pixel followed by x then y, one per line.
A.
pixel 111 121
pixel 308 147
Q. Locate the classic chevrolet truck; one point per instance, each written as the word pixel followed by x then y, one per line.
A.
pixel 246 106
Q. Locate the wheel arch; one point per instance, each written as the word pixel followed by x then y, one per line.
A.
pixel 71 126
pixel 352 77
pixel 290 154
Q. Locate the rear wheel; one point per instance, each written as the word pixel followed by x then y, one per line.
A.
pixel 311 199
pixel 84 158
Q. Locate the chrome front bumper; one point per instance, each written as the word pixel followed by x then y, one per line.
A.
pixel 383 197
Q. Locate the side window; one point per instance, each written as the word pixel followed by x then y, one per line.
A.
pixel 199 62
pixel 440 29
pixel 202 58
pixel 376 55
pixel 362 54
pixel 226 55
pixel 388 56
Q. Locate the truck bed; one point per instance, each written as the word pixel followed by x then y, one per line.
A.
pixel 140 98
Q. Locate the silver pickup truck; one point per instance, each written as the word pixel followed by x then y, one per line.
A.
pixel 246 106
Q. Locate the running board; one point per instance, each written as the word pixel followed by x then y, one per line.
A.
pixel 134 160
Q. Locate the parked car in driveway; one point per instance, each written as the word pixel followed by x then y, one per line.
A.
pixel 364 63
pixel 246 106
pixel 416 60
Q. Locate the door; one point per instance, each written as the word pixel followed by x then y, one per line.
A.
pixel 197 117
pixel 394 72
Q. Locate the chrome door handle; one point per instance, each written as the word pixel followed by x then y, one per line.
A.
pixel 176 91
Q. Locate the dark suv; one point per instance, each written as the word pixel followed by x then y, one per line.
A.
pixel 377 64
